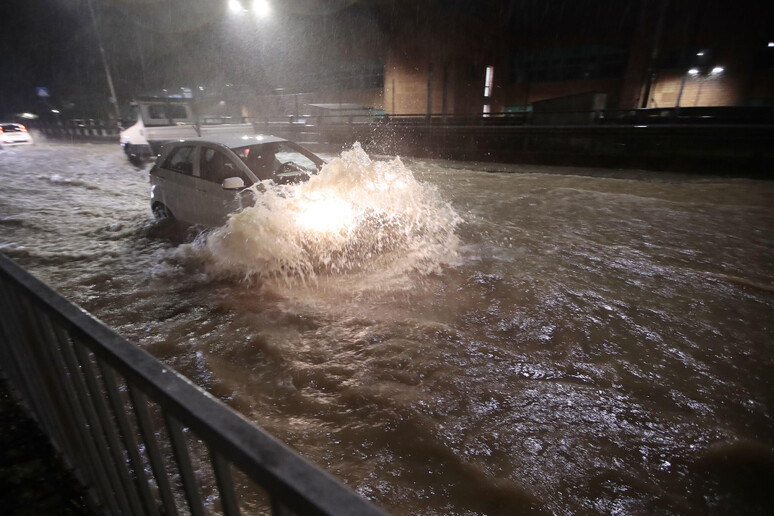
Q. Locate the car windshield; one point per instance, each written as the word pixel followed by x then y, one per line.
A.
pixel 278 159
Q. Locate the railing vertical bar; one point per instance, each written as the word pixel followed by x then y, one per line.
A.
pixel 228 498
pixel 12 365
pixel 278 508
pixel 89 465
pixel 128 497
pixel 74 428
pixel 42 365
pixel 53 372
pixel 184 464
pixel 18 342
pixel 97 442
pixel 140 405
pixel 31 368
pixel 130 443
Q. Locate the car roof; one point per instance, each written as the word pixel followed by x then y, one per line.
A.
pixel 234 141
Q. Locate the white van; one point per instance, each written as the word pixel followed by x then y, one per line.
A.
pixel 158 121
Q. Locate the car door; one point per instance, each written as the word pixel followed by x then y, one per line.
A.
pixel 176 183
pixel 215 202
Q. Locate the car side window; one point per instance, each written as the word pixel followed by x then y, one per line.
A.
pixel 260 159
pixel 286 154
pixel 215 166
pixel 181 160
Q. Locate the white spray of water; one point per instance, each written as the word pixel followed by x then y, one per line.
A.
pixel 356 215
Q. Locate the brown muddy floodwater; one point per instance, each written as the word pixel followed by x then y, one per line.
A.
pixel 473 342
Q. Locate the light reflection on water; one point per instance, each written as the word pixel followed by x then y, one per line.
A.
pixel 600 343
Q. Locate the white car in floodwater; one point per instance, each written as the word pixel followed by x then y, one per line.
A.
pixel 203 180
pixel 12 133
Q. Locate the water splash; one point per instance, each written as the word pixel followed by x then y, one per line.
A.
pixel 356 215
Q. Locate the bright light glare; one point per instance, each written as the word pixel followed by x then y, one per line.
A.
pixel 771 44
pixel 261 8
pixel 234 6
pixel 693 71
pixel 700 53
pixel 718 69
pixel 56 111
pixel 325 215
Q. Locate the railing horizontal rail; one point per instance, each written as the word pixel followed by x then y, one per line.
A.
pixel 81 354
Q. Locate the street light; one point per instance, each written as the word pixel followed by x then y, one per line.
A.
pixel 235 6
pixel 261 8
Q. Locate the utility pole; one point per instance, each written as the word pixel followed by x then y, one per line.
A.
pixel 113 97
pixel 654 54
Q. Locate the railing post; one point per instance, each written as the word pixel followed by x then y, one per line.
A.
pixel 140 404
pixel 96 444
pixel 130 443
pixel 222 469
pixel 115 450
pixel 180 450
pixel 41 368
pixel 87 463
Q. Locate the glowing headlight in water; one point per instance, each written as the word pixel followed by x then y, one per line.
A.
pixel 325 215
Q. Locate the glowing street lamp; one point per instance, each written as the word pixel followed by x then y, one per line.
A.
pixel 235 6
pixel 693 71
pixel 261 8
pixel 717 70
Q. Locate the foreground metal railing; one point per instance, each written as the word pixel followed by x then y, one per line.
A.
pixel 119 416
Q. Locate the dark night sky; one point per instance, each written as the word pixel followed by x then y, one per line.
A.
pixel 154 44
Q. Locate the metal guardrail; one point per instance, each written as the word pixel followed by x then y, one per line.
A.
pixel 98 131
pixel 686 116
pixel 83 382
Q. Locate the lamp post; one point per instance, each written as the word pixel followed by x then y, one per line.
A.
pixel 113 97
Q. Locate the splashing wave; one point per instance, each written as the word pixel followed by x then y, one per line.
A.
pixel 356 215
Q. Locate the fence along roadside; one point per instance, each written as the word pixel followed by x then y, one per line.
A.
pixel 83 382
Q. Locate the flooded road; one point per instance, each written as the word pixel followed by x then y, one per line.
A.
pixel 586 341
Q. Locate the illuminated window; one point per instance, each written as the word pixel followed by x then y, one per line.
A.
pixel 488 81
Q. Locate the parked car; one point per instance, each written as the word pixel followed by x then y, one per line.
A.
pixel 203 180
pixel 12 133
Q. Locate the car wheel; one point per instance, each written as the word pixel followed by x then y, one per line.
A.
pixel 161 212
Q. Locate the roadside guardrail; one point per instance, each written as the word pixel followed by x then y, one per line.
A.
pixel 139 436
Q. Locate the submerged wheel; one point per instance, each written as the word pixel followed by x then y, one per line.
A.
pixel 161 212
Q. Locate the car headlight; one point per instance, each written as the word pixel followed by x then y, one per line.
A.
pixel 325 215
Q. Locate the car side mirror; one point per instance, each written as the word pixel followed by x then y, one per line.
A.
pixel 233 183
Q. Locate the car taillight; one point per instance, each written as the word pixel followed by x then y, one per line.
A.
pixel 1 130
pixel 24 129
